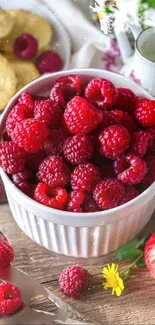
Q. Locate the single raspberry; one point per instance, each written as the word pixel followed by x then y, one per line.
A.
pixel 108 119
pixel 89 205
pixel 126 100
pixel 30 134
pixel 130 169
pixel 139 143
pixel 101 92
pixel 74 281
pixel 53 172
pixel 85 177
pixel 26 46
pixel 33 160
pixel 81 117
pixel 25 181
pixel 73 81
pixel 149 255
pixel 150 176
pixel 125 119
pixel 78 149
pixel 27 99
pixel 130 194
pixel 107 169
pixel 54 143
pixel 19 113
pixel 55 198
pixel 10 299
pixel 49 61
pixel 145 112
pixel 62 93
pixel 48 112
pixel 75 200
pixel 114 140
pixel 6 254
pixel 107 193
pixel 12 158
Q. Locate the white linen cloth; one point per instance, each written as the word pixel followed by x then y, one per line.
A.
pixel 91 48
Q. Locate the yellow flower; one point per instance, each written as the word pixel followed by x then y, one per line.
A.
pixel 100 15
pixel 113 279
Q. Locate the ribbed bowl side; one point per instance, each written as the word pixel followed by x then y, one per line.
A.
pixel 81 242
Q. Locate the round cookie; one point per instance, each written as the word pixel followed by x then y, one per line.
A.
pixel 8 82
pixel 30 23
pixel 6 23
pixel 24 70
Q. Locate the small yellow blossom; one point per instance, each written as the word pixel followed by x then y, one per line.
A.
pixel 113 279
pixel 100 15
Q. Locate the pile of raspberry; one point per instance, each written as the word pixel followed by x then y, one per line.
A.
pixel 88 147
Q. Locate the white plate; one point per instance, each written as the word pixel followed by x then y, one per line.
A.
pixel 61 41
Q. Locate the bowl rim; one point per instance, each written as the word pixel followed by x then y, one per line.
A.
pixel 106 213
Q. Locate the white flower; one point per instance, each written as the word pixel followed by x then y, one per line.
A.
pixel 149 17
pixel 126 14
pixel 106 20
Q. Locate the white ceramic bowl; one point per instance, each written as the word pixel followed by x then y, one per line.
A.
pixel 78 234
pixel 60 41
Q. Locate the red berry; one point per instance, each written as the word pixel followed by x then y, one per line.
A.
pixel 108 119
pixel 114 140
pixel 53 172
pixel 19 113
pixel 107 193
pixel 62 93
pixel 10 298
pixel 125 119
pixel 25 181
pixel 126 100
pixel 85 177
pixel 89 205
pixel 74 281
pixel 48 112
pixel 12 158
pixel 101 92
pixel 27 99
pixel 129 194
pixel 75 200
pixel 30 134
pixel 78 149
pixel 139 143
pixel 6 254
pixel 150 176
pixel 149 255
pixel 130 169
pixel 54 143
pixel 55 198
pixel 81 117
pixel 26 46
pixel 73 81
pixel 33 160
pixel 49 61
pixel 145 112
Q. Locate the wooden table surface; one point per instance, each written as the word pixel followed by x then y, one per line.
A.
pixel 135 306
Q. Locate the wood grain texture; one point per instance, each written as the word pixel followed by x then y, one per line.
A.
pixel 135 306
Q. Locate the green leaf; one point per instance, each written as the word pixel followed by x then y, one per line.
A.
pixel 150 3
pixel 128 253
pixel 128 274
pixel 140 263
pixel 131 243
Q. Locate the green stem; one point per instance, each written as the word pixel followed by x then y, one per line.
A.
pixel 133 264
